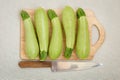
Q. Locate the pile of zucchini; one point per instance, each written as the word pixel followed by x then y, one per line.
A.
pixel 38 43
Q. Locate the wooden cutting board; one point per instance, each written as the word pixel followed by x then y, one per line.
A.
pixel 92 20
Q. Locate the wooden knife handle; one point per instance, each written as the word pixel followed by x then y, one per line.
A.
pixel 34 64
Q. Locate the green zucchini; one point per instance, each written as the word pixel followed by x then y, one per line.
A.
pixel 69 25
pixel 83 39
pixel 55 47
pixel 31 44
pixel 42 28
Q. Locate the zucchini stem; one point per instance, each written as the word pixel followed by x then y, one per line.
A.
pixel 80 13
pixel 24 15
pixel 68 52
pixel 43 55
pixel 51 14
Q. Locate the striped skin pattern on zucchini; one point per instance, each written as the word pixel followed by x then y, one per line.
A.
pixel 56 42
pixel 69 25
pixel 31 44
pixel 83 40
pixel 42 28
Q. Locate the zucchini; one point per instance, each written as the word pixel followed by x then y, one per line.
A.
pixel 42 28
pixel 69 25
pixel 55 47
pixel 83 40
pixel 31 44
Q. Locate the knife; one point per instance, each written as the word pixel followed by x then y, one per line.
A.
pixel 73 65
pixel 57 66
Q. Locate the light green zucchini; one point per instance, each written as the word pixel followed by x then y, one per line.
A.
pixel 69 25
pixel 56 42
pixel 31 44
pixel 42 28
pixel 83 39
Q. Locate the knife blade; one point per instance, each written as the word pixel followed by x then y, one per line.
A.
pixel 72 65
pixel 57 66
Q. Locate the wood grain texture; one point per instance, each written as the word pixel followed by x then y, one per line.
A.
pixel 92 20
pixel 35 64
